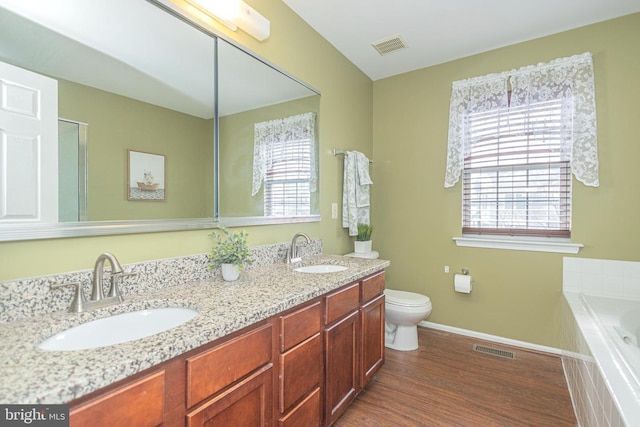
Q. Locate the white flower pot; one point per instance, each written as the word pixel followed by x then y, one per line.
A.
pixel 230 272
pixel 362 247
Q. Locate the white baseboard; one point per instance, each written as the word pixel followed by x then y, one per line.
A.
pixel 488 337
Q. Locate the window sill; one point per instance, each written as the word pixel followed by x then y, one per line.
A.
pixel 520 244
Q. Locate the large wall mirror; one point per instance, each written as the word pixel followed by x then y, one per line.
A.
pixel 186 102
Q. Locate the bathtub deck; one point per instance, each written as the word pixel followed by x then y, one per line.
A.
pixel 445 383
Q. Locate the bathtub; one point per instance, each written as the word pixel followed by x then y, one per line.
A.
pixel 602 359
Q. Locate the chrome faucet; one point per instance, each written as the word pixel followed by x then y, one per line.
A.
pixel 98 299
pixel 293 250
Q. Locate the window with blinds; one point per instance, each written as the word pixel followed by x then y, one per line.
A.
pixel 516 180
pixel 286 186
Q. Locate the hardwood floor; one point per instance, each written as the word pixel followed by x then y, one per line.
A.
pixel 445 383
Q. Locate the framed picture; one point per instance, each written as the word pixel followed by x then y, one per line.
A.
pixel 145 176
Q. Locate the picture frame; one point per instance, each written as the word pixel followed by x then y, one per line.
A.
pixel 145 176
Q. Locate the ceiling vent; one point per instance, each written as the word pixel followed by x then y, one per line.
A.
pixel 390 44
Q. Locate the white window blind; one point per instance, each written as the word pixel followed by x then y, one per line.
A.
pixel 516 178
pixel 286 188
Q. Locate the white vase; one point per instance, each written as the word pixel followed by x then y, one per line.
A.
pixel 230 272
pixel 362 247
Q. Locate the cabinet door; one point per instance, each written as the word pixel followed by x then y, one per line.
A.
pixel 247 404
pixel 372 345
pixel 341 366
pixel 140 403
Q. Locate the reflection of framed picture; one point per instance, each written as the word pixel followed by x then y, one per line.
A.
pixel 145 176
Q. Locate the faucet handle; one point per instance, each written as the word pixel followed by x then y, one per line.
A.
pixel 77 304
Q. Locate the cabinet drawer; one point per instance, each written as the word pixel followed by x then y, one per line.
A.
pixel 298 326
pixel 300 371
pixel 342 302
pixel 138 404
pixel 307 413
pixel 215 369
pixel 248 403
pixel 372 287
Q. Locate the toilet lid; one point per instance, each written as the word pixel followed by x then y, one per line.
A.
pixel 406 299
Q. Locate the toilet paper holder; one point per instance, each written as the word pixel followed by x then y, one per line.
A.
pixel 465 271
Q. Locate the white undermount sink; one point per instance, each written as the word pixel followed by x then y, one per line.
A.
pixel 321 268
pixel 118 329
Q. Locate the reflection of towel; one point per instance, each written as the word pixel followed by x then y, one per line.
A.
pixel 355 191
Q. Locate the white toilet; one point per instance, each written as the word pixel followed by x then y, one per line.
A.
pixel 403 311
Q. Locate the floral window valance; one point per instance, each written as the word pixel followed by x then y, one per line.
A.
pixel 569 79
pixel 294 128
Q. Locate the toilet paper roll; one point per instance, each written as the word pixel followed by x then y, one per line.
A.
pixel 462 283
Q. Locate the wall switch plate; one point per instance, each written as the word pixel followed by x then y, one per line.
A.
pixel 334 211
pixel 446 268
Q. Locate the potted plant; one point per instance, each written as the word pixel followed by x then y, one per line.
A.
pixel 362 244
pixel 231 253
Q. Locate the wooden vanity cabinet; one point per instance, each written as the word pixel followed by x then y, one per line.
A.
pixel 372 327
pixel 232 383
pixel 341 343
pixel 301 372
pixel 300 368
pixel 354 342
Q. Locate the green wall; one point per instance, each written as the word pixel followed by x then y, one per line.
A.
pixel 516 294
pixel 346 122
pixel 117 123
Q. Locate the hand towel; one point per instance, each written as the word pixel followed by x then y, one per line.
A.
pixel 355 191
pixel 363 180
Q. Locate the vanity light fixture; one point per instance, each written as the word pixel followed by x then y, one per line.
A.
pixel 234 14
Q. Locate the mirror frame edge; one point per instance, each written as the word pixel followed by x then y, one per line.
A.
pixel 38 231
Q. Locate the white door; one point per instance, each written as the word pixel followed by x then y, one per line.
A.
pixel 28 146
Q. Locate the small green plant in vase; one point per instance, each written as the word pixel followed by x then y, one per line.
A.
pixel 231 252
pixel 363 238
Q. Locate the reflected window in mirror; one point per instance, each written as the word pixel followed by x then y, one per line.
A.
pixel 284 159
pixel 253 96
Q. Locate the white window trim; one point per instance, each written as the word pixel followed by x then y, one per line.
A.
pixel 532 244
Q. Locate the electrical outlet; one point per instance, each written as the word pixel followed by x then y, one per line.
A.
pixel 334 211
pixel 446 268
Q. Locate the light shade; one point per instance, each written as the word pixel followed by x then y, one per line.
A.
pixel 234 14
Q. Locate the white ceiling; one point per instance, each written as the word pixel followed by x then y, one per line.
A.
pixel 438 31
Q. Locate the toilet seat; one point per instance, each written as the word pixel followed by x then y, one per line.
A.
pixel 405 299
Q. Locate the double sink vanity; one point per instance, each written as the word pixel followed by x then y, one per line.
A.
pixel 286 344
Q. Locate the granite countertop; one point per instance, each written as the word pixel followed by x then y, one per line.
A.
pixel 31 375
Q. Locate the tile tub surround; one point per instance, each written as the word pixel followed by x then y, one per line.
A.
pixel 594 404
pixel 21 299
pixel 30 375
pixel 601 277
pixel 600 392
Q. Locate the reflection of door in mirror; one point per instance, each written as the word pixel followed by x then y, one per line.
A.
pixel 143 81
pixel 72 171
pixel 28 146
